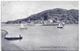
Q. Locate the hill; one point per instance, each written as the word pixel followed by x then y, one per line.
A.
pixel 68 16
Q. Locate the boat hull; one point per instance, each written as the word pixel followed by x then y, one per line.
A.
pixel 13 38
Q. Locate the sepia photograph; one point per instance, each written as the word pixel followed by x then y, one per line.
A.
pixel 39 26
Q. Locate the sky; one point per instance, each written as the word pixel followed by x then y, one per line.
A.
pixel 12 10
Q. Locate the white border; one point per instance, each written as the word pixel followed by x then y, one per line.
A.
pixel 38 0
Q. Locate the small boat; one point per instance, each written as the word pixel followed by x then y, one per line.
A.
pixel 22 26
pixel 13 38
pixel 60 25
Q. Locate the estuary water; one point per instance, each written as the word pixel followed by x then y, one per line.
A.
pixel 41 38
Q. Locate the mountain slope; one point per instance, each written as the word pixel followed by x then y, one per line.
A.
pixel 68 16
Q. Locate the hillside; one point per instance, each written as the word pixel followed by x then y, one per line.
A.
pixel 68 16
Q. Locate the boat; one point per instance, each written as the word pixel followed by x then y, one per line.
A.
pixel 13 38
pixel 22 26
pixel 60 25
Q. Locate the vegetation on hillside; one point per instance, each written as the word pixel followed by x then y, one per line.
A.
pixel 68 16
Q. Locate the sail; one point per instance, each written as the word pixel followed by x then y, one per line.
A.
pixel 60 25
pixel 21 25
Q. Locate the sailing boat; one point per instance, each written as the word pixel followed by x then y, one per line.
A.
pixel 60 25
pixel 22 26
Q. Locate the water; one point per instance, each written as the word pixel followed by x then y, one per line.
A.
pixel 42 38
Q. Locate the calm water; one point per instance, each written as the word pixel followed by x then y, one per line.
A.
pixel 42 38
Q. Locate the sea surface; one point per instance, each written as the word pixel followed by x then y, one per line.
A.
pixel 41 38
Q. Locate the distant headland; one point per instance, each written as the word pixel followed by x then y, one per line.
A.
pixel 58 14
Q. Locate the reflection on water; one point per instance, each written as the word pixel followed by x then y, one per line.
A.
pixel 43 37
